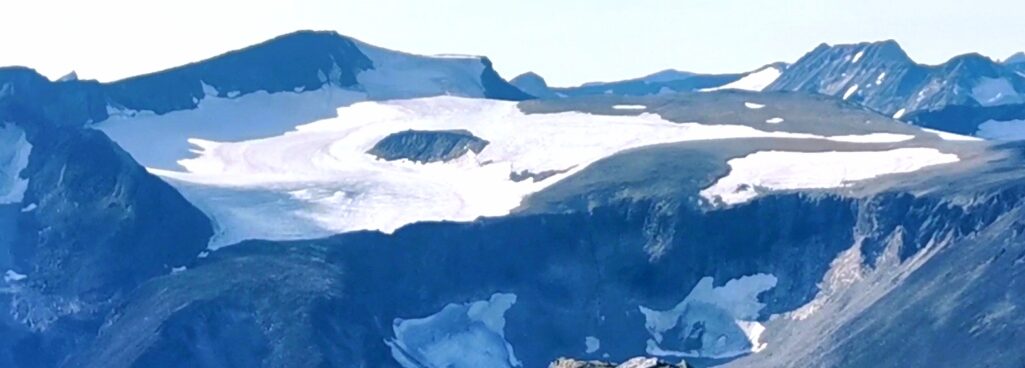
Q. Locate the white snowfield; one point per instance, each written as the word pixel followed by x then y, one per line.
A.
pixel 873 138
pixel 858 56
pixel 729 314
pixel 850 92
pixel 756 81
pixel 14 154
pixel 258 172
pixel 782 170
pixel 947 136
pixel 1007 130
pixel 400 75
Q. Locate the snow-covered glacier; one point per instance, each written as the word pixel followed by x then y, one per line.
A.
pixel 284 178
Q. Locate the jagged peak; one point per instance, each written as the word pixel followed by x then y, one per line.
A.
pixel 879 51
pixel 70 77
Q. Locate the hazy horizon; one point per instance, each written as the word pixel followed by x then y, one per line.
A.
pixel 568 42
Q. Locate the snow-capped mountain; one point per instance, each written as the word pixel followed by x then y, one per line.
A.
pixel 315 201
pixel 664 82
pixel 882 77
pixel 306 61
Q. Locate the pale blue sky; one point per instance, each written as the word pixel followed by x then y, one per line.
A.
pixel 568 41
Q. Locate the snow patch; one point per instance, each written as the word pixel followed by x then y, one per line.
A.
pixel 592 344
pixel 178 269
pixel 1009 130
pixel 756 81
pixel 753 106
pixel 850 92
pixel 775 120
pixel 12 276
pixel 209 90
pixel 947 136
pixel 995 91
pixel 880 78
pixel 629 107
pixel 857 57
pixel 763 171
pixel 872 138
pixel 31 207
pixel 14 154
pixel 460 335
pixel 899 114
pixel 720 321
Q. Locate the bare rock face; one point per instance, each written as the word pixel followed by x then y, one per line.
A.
pixel 638 362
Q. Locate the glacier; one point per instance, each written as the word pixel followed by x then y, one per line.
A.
pixel 285 179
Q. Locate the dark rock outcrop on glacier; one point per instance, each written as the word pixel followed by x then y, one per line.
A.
pixel 425 146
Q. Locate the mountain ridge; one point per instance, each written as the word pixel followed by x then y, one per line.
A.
pixel 376 220
pixel 881 76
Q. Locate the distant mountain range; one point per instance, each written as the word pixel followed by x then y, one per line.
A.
pixel 957 96
pixel 664 82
